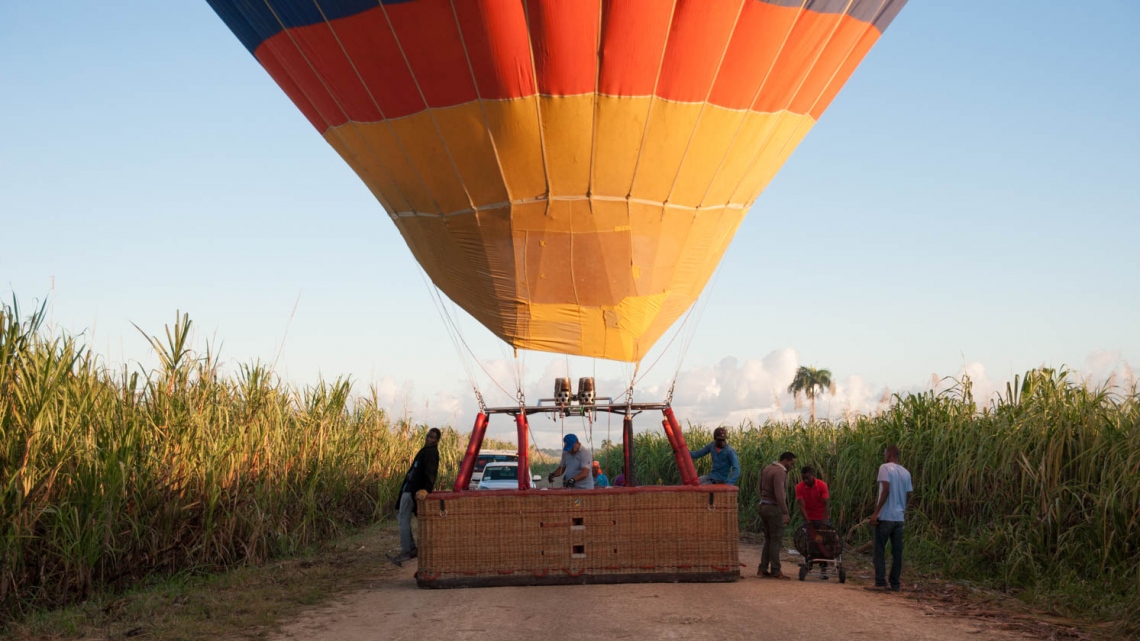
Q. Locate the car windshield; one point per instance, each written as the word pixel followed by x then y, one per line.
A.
pixel 501 473
pixel 483 459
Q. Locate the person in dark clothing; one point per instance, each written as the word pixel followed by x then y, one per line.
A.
pixel 421 476
pixel 774 515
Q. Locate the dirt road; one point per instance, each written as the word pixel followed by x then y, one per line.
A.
pixel 751 608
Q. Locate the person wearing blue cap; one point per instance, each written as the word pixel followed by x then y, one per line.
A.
pixel 575 466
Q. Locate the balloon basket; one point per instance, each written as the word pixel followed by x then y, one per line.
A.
pixel 629 534
pixel 558 537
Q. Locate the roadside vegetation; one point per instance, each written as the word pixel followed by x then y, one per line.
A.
pixel 112 478
pixel 1037 494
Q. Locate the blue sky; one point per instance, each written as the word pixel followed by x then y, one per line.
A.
pixel 971 200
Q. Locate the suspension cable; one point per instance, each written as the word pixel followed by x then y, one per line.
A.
pixel 455 334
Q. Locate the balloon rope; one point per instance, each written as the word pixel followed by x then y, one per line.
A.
pixel 634 378
pixel 609 438
pixel 701 306
pixel 687 331
pixel 459 342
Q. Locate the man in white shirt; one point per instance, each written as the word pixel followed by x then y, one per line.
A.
pixel 894 485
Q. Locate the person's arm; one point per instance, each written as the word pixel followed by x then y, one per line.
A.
pixel 781 495
pixel 884 492
pixel 734 472
pixel 701 452
pixel 431 470
pixel 800 502
pixel 556 473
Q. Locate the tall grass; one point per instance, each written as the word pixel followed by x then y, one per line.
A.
pixel 107 476
pixel 1039 492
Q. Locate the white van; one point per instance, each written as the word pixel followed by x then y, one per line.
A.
pixel 488 456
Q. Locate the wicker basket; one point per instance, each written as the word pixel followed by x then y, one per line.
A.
pixel 818 542
pixel 612 535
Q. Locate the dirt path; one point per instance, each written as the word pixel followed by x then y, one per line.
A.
pixel 751 608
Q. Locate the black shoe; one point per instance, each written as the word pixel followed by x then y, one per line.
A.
pixel 415 553
pixel 396 559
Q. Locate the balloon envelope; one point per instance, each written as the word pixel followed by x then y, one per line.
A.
pixel 570 172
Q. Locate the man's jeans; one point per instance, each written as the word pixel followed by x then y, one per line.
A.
pixel 407 543
pixel 888 531
pixel 772 522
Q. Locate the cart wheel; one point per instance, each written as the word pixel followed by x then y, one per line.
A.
pixel 842 575
pixel 804 571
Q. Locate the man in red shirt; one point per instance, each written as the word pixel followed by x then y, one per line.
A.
pixel 813 499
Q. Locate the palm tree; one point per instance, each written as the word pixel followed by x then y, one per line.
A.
pixel 810 382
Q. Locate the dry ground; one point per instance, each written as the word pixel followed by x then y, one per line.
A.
pixel 748 609
pixel 346 590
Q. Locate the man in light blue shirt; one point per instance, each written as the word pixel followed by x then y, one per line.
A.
pixel 894 485
pixel 725 462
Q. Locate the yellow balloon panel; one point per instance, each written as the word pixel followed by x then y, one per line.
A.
pixel 600 275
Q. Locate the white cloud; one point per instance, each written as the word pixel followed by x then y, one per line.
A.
pixel 728 392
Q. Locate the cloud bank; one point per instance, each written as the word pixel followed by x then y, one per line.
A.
pixel 728 392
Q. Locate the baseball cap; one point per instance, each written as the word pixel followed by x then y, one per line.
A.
pixel 568 442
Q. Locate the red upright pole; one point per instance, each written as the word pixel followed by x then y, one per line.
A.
pixel 684 460
pixel 676 453
pixel 673 445
pixel 473 447
pixel 627 451
pixel 524 448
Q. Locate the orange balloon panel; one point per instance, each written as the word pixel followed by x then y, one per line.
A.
pixel 570 172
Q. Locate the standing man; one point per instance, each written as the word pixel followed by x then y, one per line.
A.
pixel 774 514
pixel 575 466
pixel 725 462
pixel 421 476
pixel 894 485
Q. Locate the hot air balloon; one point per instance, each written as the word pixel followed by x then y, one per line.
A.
pixel 569 172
